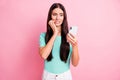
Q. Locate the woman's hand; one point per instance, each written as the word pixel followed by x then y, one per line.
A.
pixel 72 39
pixel 75 54
pixel 53 26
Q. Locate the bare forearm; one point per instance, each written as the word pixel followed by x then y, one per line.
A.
pixel 75 56
pixel 47 49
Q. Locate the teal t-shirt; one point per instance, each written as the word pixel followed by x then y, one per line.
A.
pixel 55 65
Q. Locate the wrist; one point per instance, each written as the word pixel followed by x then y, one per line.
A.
pixel 75 45
pixel 55 34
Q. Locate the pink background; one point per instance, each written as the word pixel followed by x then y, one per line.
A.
pixel 22 21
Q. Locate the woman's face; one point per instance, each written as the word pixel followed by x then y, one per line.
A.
pixel 57 16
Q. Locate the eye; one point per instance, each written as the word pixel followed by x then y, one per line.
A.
pixel 61 14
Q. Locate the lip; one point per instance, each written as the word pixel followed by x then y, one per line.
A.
pixel 57 22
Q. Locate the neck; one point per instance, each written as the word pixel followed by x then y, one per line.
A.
pixel 59 30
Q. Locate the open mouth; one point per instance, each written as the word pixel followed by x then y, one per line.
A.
pixel 57 22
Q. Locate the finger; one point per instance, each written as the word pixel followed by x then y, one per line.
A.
pixel 72 40
pixel 73 43
pixel 68 40
pixel 72 35
pixel 50 22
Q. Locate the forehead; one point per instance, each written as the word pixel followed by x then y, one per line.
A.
pixel 57 10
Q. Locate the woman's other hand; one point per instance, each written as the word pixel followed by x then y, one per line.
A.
pixel 53 26
pixel 72 39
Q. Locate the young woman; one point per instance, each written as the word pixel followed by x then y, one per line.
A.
pixel 57 46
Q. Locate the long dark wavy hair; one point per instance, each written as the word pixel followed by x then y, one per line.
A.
pixel 64 47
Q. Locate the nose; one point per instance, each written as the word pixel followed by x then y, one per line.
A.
pixel 58 17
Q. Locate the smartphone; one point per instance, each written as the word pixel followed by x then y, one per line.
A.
pixel 73 30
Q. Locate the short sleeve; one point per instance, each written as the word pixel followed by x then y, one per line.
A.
pixel 42 40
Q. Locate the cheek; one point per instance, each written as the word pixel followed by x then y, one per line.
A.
pixel 53 17
pixel 62 18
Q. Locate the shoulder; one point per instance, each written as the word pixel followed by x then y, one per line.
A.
pixel 42 34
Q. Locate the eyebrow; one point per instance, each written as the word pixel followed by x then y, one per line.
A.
pixel 56 13
pixel 61 13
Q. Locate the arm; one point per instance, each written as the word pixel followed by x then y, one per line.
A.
pixel 75 52
pixel 45 51
pixel 75 55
